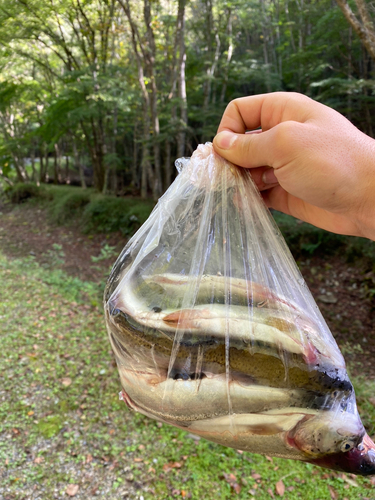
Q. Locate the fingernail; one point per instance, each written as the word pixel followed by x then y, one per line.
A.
pixel 269 177
pixel 225 139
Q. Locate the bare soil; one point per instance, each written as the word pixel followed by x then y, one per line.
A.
pixel 340 289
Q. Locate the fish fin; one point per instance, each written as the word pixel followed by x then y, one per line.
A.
pixel 185 317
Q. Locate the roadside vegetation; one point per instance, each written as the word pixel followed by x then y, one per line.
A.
pixel 107 213
pixel 94 212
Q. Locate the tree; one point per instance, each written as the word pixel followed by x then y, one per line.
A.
pixel 362 23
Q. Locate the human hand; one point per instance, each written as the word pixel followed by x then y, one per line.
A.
pixel 322 167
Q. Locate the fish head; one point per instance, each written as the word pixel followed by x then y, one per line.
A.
pixel 327 433
pixel 359 460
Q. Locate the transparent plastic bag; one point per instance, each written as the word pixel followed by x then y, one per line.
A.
pixel 215 331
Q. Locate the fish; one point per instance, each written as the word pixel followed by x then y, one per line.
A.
pixel 249 371
pixel 284 329
pixel 258 420
pixel 188 400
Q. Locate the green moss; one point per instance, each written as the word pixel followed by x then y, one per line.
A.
pixel 50 426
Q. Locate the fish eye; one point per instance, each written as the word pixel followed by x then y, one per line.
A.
pixel 346 446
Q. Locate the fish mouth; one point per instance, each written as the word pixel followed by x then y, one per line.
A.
pixel 359 460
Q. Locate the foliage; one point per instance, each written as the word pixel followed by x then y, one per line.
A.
pixel 118 89
pixel 93 212
pixel 305 239
pixel 106 214
pixel 22 191
pixel 64 208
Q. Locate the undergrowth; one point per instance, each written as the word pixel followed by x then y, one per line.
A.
pixel 93 212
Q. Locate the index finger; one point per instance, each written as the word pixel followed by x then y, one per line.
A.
pixel 242 114
pixel 265 111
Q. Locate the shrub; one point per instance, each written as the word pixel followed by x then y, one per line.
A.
pixel 70 205
pixel 107 214
pixel 20 192
pixel 304 239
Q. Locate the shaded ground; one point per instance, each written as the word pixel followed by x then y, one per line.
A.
pixel 25 230
pixel 340 289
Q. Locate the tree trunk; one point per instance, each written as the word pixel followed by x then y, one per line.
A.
pixel 46 173
pixel 34 176
pixel 181 84
pixel 20 169
pixel 78 165
pixel 229 56
pixel 213 58
pixel 157 187
pixel 363 26
pixel 146 170
pixel 134 167
pixel 41 167
pixel 167 164
pixel 57 164
pixel 67 175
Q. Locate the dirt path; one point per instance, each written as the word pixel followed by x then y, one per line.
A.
pixel 340 289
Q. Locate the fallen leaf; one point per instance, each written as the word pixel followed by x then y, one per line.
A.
pixel 350 481
pixel 237 488
pixel 141 447
pixel 280 488
pixel 138 460
pixel 172 465
pixel 256 476
pixel 151 469
pixel 271 492
pixel 269 458
pixel 333 493
pixel 89 458
pixel 38 460
pixel 66 381
pixel 72 490
pixel 30 413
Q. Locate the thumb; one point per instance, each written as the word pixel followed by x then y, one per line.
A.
pixel 249 150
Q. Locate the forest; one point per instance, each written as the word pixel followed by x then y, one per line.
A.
pixel 108 93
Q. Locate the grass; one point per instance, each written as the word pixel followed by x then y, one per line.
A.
pixel 61 421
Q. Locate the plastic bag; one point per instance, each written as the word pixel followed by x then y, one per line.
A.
pixel 215 331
